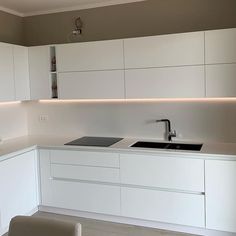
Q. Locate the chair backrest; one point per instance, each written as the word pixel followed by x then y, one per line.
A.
pixel 35 226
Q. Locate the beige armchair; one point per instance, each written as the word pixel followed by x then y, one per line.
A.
pixel 35 226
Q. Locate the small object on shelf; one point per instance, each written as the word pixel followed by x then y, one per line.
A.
pixel 54 88
pixel 54 67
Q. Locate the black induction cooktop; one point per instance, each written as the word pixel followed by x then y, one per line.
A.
pixel 94 141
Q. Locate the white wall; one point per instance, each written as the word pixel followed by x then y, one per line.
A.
pixel 13 120
pixel 198 120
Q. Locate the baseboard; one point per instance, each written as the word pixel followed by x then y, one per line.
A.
pixel 136 222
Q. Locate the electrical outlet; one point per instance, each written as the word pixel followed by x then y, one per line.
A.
pixel 43 118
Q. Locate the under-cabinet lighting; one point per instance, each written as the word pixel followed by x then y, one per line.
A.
pixel 9 103
pixel 232 99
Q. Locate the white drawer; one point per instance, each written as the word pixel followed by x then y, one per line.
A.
pixel 102 159
pixel 162 172
pixel 89 173
pixel 169 207
pixel 96 198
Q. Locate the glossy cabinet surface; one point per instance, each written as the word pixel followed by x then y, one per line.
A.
pixel 172 82
pixel 221 80
pixel 163 206
pixel 91 85
pixel 39 69
pixel 19 185
pixel 21 73
pixel 100 55
pixel 80 181
pixel 220 46
pixel 7 84
pixel 163 172
pixel 165 50
pixel 221 195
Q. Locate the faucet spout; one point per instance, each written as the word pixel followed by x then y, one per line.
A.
pixel 170 133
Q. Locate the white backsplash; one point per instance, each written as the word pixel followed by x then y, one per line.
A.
pixel 195 120
pixel 13 120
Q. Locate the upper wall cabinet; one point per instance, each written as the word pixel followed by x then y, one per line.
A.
pixel 39 72
pixel 165 50
pixel 168 82
pixel 7 87
pixel 91 85
pixel 221 63
pixel 221 80
pixel 21 73
pixel 102 55
pixel 220 46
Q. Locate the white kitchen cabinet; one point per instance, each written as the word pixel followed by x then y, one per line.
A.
pixel 19 187
pixel 162 172
pixel 165 50
pixel 39 72
pixel 91 85
pixel 85 158
pixel 90 197
pixel 100 55
pixel 163 206
pixel 221 80
pixel 169 82
pixel 21 73
pixel 7 85
pixel 87 173
pixel 79 183
pixel 220 46
pixel 221 195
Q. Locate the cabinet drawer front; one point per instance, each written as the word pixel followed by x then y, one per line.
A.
pixel 220 80
pixel 86 197
pixel 162 172
pixel 165 50
pixel 186 82
pixel 169 207
pixel 91 85
pixel 85 158
pixel 101 55
pixel 88 173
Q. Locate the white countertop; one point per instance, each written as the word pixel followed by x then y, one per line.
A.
pixel 23 144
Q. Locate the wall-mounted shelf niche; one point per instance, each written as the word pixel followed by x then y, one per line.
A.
pixel 53 73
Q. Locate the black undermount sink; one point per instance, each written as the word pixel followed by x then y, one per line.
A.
pixel 173 146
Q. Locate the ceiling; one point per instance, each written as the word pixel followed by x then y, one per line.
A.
pixel 38 7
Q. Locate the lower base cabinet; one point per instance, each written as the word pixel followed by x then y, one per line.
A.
pixel 97 198
pixel 221 195
pixel 19 188
pixel 83 181
pixel 162 206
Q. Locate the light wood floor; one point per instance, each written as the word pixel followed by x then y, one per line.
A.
pixel 102 228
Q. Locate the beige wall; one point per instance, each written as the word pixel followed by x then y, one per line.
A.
pixel 11 28
pixel 150 17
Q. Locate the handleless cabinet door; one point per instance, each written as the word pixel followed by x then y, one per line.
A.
pixel 100 55
pixel 164 172
pixel 21 68
pixel 164 50
pixel 220 46
pixel 163 206
pixel 221 195
pixel 7 85
pixel 39 68
pixel 221 80
pixel 172 82
pixel 91 85
pixel 19 185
